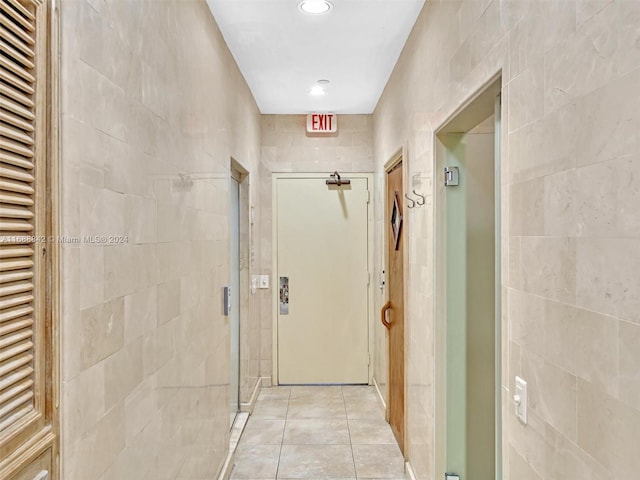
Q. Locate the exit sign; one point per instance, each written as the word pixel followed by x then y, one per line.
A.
pixel 322 123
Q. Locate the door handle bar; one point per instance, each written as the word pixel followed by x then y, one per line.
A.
pixel 383 315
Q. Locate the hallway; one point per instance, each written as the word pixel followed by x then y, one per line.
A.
pixel 317 433
pixel 204 201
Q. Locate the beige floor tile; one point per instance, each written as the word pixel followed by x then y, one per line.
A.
pixel 316 461
pixel 378 461
pixel 316 432
pixel 270 409
pixel 358 392
pixel 308 407
pixel 256 462
pixel 364 410
pixel 274 393
pixel 263 431
pixel 315 392
pixel 371 432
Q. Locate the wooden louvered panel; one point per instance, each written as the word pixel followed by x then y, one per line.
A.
pixel 13 186
pixel 16 226
pixel 15 147
pixel 16 161
pixel 20 8
pixel 15 173
pixel 24 105
pixel 14 350
pixel 16 82
pixel 13 367
pixel 14 120
pixel 14 301
pixel 14 326
pixel 16 212
pixel 15 42
pixel 15 54
pixel 16 135
pixel 13 264
pixel 16 29
pixel 18 13
pixel 15 276
pixel 15 199
pixel 13 313
pixel 13 252
pixel 15 288
pixel 18 222
pixel 12 392
pixel 27 364
pixel 17 69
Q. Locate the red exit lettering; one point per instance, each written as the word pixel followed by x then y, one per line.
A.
pixel 321 123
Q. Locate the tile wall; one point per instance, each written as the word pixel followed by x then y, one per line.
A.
pixel 153 109
pixel 287 148
pixel 571 237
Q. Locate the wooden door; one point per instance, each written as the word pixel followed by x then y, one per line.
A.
pixel 323 281
pixel 393 316
pixel 28 261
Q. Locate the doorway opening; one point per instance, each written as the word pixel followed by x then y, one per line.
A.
pixel 468 290
pixel 239 278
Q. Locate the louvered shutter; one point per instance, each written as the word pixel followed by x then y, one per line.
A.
pixel 21 284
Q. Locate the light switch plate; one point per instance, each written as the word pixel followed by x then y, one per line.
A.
pixel 264 281
pixel 520 399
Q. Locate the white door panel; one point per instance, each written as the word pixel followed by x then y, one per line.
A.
pixel 322 248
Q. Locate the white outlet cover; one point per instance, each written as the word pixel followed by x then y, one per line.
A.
pixel 264 281
pixel 520 399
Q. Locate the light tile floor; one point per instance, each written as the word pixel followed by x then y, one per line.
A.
pixel 317 433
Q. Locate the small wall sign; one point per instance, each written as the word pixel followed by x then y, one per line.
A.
pixel 322 123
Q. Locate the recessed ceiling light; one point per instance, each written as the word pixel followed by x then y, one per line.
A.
pixel 315 7
pixel 317 91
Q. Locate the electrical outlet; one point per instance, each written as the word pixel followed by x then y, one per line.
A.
pixel 520 399
pixel 264 281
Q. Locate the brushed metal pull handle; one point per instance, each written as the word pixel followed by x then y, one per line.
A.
pixel 383 315
pixel 284 295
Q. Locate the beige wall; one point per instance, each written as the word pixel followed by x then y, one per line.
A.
pixel 150 93
pixel 287 148
pixel 571 246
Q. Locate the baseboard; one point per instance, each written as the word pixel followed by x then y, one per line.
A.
pixel 267 382
pixel 380 396
pixel 408 470
pixel 227 468
pixel 236 433
pixel 248 407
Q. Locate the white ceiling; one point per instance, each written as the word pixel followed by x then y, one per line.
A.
pixel 283 52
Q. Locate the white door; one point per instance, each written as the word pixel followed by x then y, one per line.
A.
pixel 322 281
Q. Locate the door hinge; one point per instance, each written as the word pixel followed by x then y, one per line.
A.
pixel 368 359
pixel 368 279
pixel 451 176
pixel 368 196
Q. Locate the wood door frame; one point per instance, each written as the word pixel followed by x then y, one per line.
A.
pixel 274 267
pixel 401 155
